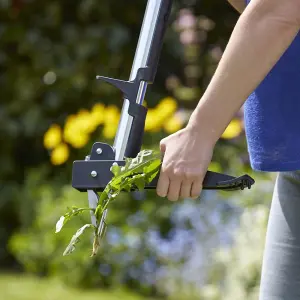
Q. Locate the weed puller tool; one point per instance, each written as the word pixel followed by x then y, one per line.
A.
pixel 94 173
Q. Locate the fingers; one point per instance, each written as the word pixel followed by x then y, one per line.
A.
pixel 174 190
pixel 177 187
pixel 185 190
pixel 196 189
pixel 163 185
pixel 174 182
pixel 162 146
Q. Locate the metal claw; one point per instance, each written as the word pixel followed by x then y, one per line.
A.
pixel 93 199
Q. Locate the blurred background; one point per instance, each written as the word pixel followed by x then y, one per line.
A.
pixel 51 112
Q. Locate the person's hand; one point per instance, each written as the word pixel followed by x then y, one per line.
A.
pixel 187 155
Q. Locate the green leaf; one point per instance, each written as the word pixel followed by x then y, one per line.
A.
pixel 68 216
pixel 97 239
pixel 115 169
pixel 135 174
pixel 60 223
pixel 139 181
pixel 75 239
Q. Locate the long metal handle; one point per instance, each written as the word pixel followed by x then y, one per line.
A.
pixel 147 55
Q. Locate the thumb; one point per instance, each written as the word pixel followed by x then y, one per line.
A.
pixel 163 146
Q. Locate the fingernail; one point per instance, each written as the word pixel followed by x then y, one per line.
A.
pixel 161 195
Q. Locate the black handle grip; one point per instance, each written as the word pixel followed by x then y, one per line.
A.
pixel 83 181
pixel 136 134
pixel 219 181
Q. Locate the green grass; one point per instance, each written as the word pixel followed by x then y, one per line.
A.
pixel 14 287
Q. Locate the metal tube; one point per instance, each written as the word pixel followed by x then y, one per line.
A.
pixel 140 60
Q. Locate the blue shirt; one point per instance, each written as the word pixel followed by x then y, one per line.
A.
pixel 272 116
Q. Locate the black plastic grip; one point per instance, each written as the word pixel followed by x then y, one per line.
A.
pixel 135 139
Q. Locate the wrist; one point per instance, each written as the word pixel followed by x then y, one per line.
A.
pixel 203 128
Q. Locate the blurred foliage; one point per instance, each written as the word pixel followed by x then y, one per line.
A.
pixel 52 110
pixel 234 268
pixel 238 269
pixel 142 249
pixel 31 288
pixel 126 257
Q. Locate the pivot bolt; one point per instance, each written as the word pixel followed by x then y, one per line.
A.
pixel 93 173
pixel 99 150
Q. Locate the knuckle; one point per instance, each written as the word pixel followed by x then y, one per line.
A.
pixel 183 173
pixel 189 175
pixel 166 170
pixel 164 167
pixel 192 175
pixel 169 171
pixel 163 141
pixel 178 173
pixel 200 174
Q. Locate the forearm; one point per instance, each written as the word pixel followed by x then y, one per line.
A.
pixel 260 37
pixel 239 5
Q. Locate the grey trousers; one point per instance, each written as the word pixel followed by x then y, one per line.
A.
pixel 280 279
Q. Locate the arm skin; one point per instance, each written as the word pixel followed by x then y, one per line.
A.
pixel 239 5
pixel 265 29
pixel 262 34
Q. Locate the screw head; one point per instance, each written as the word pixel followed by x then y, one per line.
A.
pixel 99 150
pixel 93 173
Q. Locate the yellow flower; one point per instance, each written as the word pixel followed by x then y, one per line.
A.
pixel 78 127
pixel 97 114
pixel 98 108
pixel 233 130
pixel 112 115
pixel 69 134
pixel 167 106
pixel 52 137
pixel 70 119
pixel 110 130
pixel 60 154
pixel 79 139
pixel 84 122
pixel 152 123
pixel 164 110
pixel 173 124
pixel 71 128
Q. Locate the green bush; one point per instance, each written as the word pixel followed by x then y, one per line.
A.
pixel 236 268
pixel 31 288
pixel 124 254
